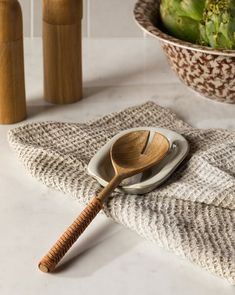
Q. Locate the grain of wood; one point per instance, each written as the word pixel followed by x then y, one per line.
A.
pixel 62 50
pixel 12 81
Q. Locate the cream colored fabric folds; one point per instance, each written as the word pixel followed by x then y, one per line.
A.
pixel 191 214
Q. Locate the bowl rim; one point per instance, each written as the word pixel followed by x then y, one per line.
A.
pixel 143 20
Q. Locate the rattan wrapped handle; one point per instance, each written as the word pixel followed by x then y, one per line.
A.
pixel 64 243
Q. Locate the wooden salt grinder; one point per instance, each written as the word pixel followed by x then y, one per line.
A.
pixel 12 81
pixel 62 50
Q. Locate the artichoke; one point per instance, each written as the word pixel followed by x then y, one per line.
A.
pixel 218 26
pixel 205 22
pixel 181 18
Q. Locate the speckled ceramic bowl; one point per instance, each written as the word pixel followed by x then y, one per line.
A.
pixel 208 71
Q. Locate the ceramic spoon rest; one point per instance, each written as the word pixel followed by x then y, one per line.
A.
pixel 100 166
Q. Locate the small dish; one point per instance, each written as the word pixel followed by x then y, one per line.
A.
pixel 100 166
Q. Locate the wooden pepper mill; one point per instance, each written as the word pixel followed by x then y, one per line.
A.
pixel 12 81
pixel 62 50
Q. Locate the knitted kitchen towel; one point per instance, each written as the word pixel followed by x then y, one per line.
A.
pixel 191 214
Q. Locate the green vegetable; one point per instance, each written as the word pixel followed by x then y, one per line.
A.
pixel 206 22
pixel 181 18
pixel 218 26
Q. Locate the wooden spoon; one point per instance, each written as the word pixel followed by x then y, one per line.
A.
pixel 130 155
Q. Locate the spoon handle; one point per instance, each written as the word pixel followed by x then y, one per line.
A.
pixel 74 231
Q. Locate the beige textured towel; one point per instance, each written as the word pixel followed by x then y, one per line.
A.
pixel 192 214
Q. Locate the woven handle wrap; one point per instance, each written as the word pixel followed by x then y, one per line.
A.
pixel 49 262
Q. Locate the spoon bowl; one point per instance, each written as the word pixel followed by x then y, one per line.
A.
pixel 134 152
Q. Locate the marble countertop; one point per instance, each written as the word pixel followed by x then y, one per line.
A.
pixel 108 259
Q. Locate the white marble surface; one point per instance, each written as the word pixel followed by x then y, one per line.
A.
pixel 108 259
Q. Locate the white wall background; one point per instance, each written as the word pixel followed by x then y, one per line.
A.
pixel 101 18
